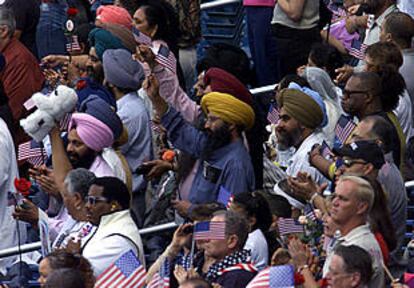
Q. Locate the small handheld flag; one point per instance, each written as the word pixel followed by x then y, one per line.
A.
pixel 288 226
pixel 225 197
pixel 127 271
pixel 344 128
pixel 274 277
pixel 210 230
pixel 32 152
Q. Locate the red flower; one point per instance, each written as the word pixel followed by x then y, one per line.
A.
pixel 168 155
pixel 72 12
pixel 81 84
pixel 324 283
pixel 299 279
pixel 22 186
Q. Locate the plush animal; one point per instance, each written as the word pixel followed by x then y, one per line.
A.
pixel 50 109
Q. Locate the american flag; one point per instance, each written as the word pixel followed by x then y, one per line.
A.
pixel 225 197
pixel 91 2
pixel 73 45
pixel 140 37
pixel 274 277
pixel 161 279
pixel 32 152
pixel 166 58
pixel 127 271
pixel 210 230
pixel 325 150
pixel 273 115
pixel 358 49
pixel 344 128
pixel 288 226
pixel 309 213
pixel 64 123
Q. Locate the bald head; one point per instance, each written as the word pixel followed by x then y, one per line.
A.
pixel 369 81
pixel 398 27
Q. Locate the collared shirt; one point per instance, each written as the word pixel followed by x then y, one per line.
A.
pixel 373 31
pixel 405 115
pixel 392 182
pixel 229 167
pixel 21 77
pixel 135 117
pixel 299 162
pixel 406 71
pixel 362 237
pixel 8 172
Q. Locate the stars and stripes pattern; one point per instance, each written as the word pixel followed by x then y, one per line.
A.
pixel 273 114
pixel 166 58
pixel 210 230
pixel 358 49
pixel 125 272
pixel 325 150
pixel 163 55
pixel 225 197
pixel 274 277
pixel 73 44
pixel 344 128
pixel 161 279
pixel 64 123
pixel 289 226
pixel 32 152
pixel 140 37
pixel 309 213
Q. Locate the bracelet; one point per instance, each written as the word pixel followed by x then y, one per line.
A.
pixel 314 195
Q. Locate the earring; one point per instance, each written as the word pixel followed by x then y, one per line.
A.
pixel 113 207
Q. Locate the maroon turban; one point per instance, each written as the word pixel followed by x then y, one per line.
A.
pixel 224 82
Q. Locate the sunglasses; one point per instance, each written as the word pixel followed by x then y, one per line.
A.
pixel 92 200
pixel 348 162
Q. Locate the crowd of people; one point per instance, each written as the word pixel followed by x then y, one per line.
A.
pixel 302 186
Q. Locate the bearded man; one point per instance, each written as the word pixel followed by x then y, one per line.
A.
pixel 301 117
pixel 225 163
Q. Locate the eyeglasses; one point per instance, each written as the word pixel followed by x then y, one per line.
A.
pixel 348 93
pixel 348 162
pixel 92 200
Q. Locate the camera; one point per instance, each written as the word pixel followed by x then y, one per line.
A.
pixel 188 230
pixel 143 169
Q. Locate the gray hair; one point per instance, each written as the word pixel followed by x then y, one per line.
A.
pixel 236 224
pixel 364 192
pixel 8 19
pixel 79 180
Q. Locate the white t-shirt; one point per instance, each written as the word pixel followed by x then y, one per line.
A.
pixel 257 244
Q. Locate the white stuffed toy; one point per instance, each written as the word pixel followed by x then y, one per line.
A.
pixel 50 109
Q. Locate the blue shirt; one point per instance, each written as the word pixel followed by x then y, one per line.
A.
pixel 135 117
pixel 229 166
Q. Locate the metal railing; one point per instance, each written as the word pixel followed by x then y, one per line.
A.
pixel 217 3
pixel 37 245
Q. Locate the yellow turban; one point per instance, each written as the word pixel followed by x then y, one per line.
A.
pixel 228 108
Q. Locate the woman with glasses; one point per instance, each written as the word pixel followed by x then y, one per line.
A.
pixel 107 206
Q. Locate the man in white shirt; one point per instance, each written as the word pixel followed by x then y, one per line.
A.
pixel 8 172
pixel 300 119
pixel 353 200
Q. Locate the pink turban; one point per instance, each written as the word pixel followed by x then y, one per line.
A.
pixel 93 132
pixel 114 15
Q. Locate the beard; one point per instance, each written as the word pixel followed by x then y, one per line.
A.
pixel 217 139
pixel 82 162
pixel 289 139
